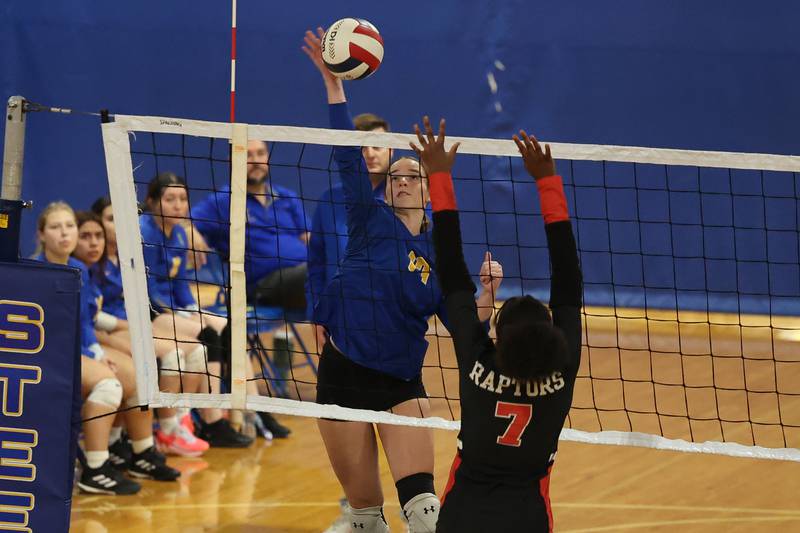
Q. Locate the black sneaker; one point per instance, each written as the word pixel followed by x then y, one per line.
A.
pixel 220 434
pixel 106 480
pixel 278 430
pixel 152 465
pixel 120 453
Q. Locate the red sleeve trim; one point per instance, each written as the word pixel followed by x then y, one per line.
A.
pixel 552 199
pixel 443 197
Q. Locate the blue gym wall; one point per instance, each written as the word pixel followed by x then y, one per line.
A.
pixel 715 75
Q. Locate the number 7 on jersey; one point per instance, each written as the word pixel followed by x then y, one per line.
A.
pixel 520 415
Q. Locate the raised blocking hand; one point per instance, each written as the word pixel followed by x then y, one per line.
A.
pixel 491 274
pixel 539 163
pixel 432 155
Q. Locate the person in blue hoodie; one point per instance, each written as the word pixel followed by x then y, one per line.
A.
pixel 375 311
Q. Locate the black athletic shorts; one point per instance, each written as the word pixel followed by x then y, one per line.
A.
pixel 342 382
pixel 472 507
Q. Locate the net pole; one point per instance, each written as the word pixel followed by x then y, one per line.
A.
pixel 14 149
pixel 233 61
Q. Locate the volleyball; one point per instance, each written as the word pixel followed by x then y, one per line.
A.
pixel 352 49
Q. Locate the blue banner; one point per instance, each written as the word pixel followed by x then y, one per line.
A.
pixel 40 384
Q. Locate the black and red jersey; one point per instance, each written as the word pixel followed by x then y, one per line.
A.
pixel 509 427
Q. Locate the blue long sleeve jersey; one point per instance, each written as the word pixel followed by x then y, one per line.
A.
pixel 88 305
pixel 109 282
pixel 376 307
pixel 328 242
pixel 165 258
pixel 274 233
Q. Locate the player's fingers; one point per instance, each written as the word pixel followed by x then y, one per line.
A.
pixel 547 151
pixel 487 257
pixel 320 32
pixel 453 150
pixel 440 138
pixel 520 146
pixel 416 149
pixel 536 145
pixel 527 140
pixel 421 139
pixel 428 130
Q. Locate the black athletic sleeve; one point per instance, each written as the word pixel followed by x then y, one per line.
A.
pixel 469 335
pixel 566 288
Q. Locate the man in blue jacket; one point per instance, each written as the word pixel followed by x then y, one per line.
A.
pixel 276 246
pixel 276 239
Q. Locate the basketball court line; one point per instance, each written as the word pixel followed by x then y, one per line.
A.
pixel 787 514
pixel 661 523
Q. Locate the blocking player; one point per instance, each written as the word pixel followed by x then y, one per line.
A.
pixel 515 394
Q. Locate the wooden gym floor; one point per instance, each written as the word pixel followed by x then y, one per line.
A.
pixel 288 486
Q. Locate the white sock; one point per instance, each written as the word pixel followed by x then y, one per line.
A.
pixel 115 435
pixel 96 459
pixel 169 424
pixel 142 444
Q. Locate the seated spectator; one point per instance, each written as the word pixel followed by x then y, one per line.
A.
pixel 165 253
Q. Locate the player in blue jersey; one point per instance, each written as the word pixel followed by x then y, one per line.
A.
pixel 101 391
pixel 168 346
pixel 328 240
pixel 515 394
pixel 165 248
pixel 376 311
pixel 145 461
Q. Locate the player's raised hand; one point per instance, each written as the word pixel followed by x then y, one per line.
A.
pixel 431 151
pixel 539 163
pixel 313 49
pixel 491 274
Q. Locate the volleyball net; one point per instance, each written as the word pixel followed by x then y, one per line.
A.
pixel 690 262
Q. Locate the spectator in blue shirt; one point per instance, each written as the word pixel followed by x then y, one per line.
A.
pixel 165 248
pixel 276 249
pixel 276 238
pixel 144 461
pixel 100 389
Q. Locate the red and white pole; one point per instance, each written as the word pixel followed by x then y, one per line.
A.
pixel 233 61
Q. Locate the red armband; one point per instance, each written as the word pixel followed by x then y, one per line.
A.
pixel 443 197
pixel 552 199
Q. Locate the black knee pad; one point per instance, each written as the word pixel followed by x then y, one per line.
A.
pixel 210 338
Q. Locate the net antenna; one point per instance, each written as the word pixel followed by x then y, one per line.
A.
pixel 590 420
pixel 233 61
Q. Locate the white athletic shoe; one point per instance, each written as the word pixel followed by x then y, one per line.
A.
pixel 342 523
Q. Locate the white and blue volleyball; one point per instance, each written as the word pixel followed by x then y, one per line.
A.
pixel 352 49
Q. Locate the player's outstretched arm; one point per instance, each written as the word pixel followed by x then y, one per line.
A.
pixel 313 49
pixel 565 284
pixel 462 314
pixel 438 163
